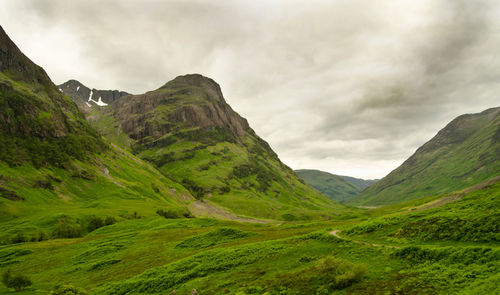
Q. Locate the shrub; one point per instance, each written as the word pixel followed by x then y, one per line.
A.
pixel 174 214
pixel 18 282
pixel 95 223
pixel 306 258
pixel 330 273
pixel 64 230
pixel 19 238
pixel 42 236
pixel 10 195
pixel 289 217
pixel 225 189
pixel 155 188
pixel 67 290
pixel 109 220
pixel 197 191
pixel 338 273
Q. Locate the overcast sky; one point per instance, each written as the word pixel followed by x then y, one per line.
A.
pixel 351 87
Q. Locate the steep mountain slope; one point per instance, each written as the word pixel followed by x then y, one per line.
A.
pixel 336 187
pixel 55 170
pixel 465 152
pixel 86 97
pixel 189 132
pixel 39 124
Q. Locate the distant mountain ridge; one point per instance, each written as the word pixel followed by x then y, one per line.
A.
pixel 362 183
pixel 84 96
pixel 337 187
pixel 462 154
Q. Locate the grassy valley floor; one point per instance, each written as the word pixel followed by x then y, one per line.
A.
pixel 156 255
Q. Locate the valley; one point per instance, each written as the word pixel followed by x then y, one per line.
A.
pixel 172 192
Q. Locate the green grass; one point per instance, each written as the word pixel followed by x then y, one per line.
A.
pixel 213 238
pixel 115 185
pixel 473 218
pixel 155 255
pixel 143 257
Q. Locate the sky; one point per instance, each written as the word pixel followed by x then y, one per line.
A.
pixel 352 87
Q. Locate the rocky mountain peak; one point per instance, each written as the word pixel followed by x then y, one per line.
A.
pixel 189 101
pixel 196 81
pixel 86 97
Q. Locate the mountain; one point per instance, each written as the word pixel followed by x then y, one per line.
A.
pixel 189 132
pixel 56 173
pixel 464 153
pixel 336 187
pixel 362 183
pixel 85 96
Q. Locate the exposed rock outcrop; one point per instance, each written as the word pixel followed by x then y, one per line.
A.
pixel 186 102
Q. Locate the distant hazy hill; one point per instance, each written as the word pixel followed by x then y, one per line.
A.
pixel 362 183
pixel 464 153
pixel 336 187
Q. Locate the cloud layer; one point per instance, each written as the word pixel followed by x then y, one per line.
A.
pixel 349 86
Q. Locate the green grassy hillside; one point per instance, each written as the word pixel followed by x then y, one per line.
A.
pixel 37 203
pixel 336 187
pixel 469 216
pixel 462 154
pixel 58 178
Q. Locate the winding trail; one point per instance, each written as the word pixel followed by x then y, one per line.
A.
pixel 335 233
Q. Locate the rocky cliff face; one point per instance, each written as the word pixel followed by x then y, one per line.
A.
pixel 86 97
pixel 17 65
pixel 190 101
pixel 31 103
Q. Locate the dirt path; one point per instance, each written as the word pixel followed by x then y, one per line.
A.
pixel 205 209
pixel 335 233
